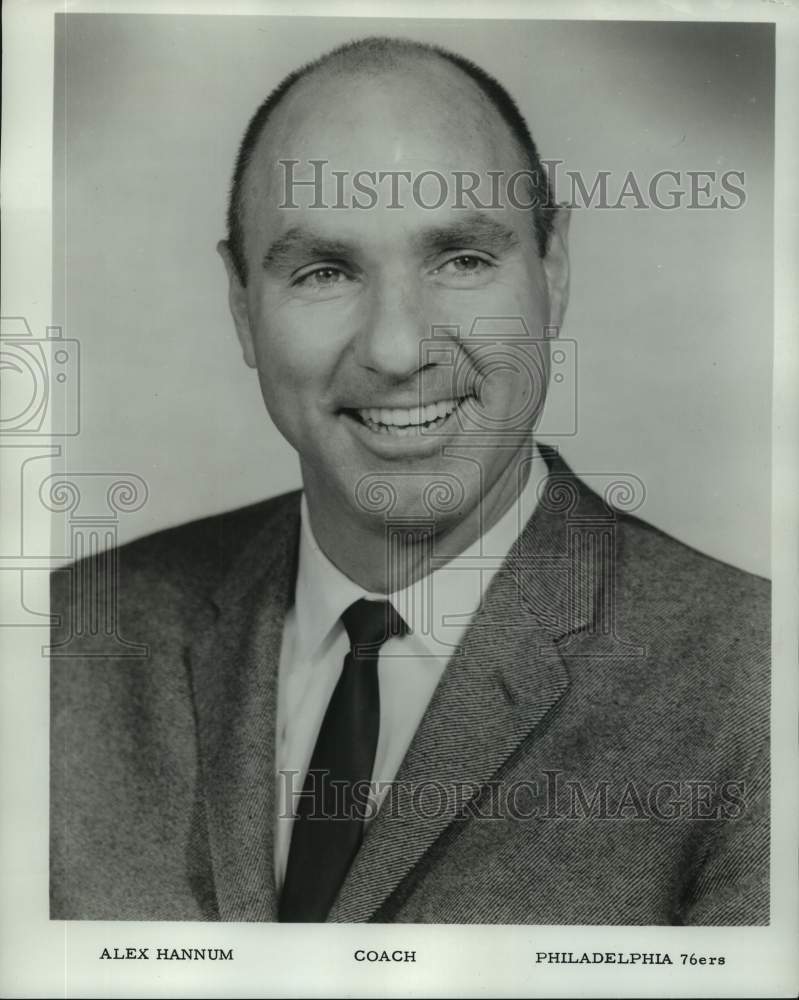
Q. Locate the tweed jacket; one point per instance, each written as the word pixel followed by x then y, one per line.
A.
pixel 595 753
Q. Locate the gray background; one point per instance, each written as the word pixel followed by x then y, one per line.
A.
pixel 671 311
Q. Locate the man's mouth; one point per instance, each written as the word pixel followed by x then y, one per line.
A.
pixel 402 422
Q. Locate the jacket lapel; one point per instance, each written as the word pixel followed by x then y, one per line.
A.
pixel 234 666
pixel 509 677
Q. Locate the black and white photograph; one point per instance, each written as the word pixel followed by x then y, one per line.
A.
pixel 398 478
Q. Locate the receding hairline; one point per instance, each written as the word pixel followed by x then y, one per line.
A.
pixel 340 65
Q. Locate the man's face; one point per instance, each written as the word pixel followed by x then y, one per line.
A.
pixel 358 319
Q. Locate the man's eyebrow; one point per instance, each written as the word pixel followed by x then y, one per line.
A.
pixel 476 230
pixel 299 244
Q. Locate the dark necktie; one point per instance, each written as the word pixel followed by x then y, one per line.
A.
pixel 328 827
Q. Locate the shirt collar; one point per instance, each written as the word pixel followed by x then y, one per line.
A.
pixel 323 592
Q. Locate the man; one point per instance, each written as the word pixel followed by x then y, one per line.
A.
pixel 449 682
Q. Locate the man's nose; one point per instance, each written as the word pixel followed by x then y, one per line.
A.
pixel 390 340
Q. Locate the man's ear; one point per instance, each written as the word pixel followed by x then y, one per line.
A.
pixel 237 300
pixel 556 266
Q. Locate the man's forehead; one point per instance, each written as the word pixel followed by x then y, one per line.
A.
pixel 426 115
pixel 422 85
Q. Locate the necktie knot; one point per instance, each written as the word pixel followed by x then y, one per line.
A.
pixel 371 623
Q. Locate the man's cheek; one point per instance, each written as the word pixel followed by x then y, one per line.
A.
pixel 290 358
pixel 294 388
pixel 514 391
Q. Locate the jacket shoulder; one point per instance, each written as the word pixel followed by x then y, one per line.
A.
pixel 192 556
pixel 219 537
pixel 709 621
pixel 672 569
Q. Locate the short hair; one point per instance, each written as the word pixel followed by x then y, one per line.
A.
pixel 376 54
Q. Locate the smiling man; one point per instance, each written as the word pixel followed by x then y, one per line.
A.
pixel 447 681
pixel 335 307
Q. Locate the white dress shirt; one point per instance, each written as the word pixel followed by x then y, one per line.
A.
pixel 437 608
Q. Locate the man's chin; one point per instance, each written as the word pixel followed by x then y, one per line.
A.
pixel 401 500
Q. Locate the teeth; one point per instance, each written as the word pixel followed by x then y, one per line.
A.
pixel 397 418
pixel 402 420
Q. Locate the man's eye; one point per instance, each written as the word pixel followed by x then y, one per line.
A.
pixel 467 263
pixel 322 277
pixel 464 266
